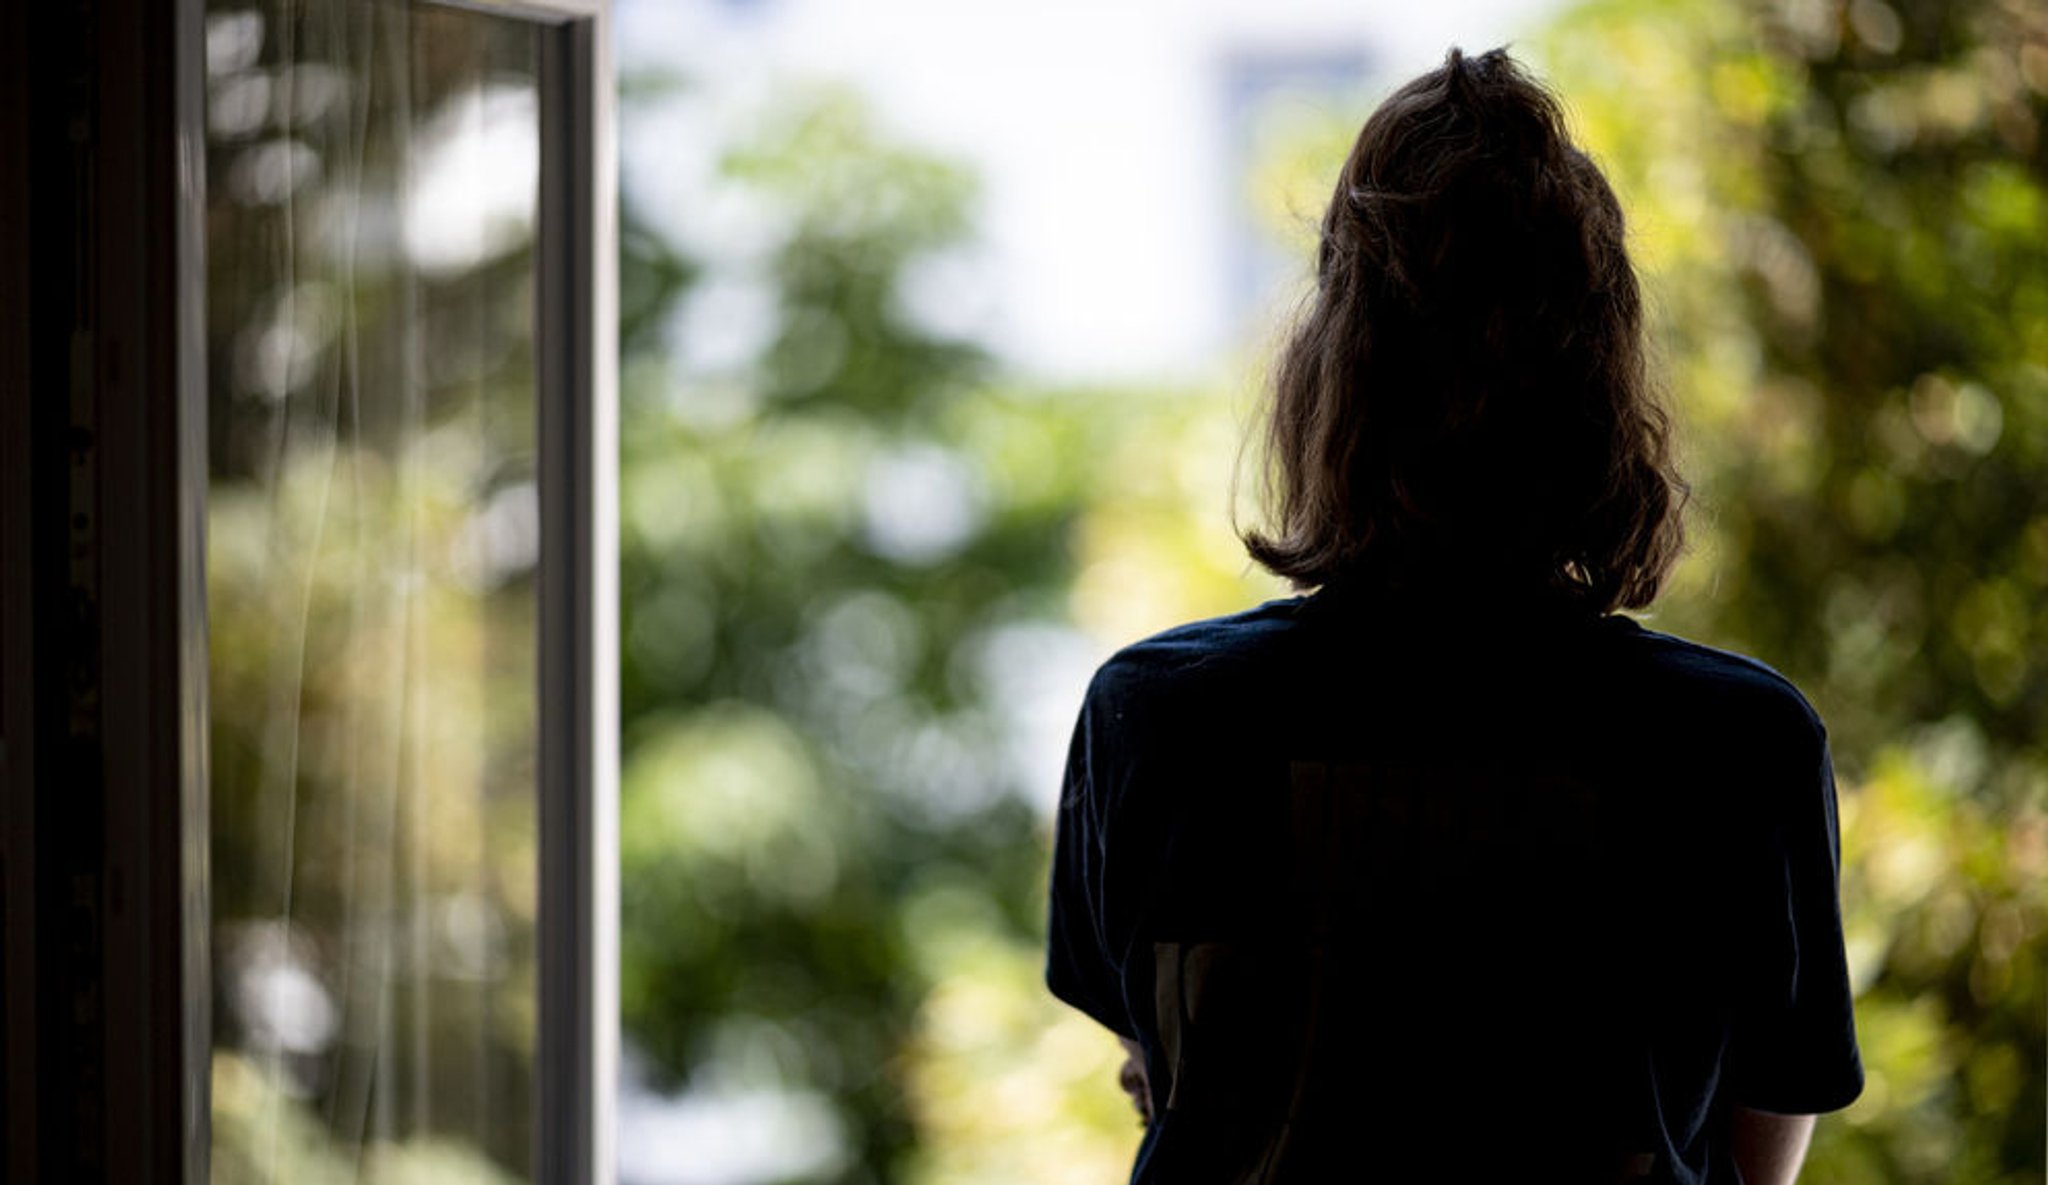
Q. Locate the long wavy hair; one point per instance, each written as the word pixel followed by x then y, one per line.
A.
pixel 1464 404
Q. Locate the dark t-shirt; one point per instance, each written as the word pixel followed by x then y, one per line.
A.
pixel 1394 890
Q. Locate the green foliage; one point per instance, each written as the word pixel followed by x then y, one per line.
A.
pixel 813 750
pixel 1844 213
pixel 261 1135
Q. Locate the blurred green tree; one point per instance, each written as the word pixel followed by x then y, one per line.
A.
pixel 1844 211
pixel 826 555
pixel 1841 209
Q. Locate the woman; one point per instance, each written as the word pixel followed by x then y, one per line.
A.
pixel 1447 871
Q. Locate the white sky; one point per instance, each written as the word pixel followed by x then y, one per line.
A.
pixel 1097 127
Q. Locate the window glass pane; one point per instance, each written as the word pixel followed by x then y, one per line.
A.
pixel 373 533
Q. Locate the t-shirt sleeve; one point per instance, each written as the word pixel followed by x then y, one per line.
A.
pixel 1079 968
pixel 1795 1052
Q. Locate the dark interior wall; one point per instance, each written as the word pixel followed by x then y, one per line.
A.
pixel 103 761
pixel 17 704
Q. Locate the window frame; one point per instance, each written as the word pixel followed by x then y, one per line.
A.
pixel 103 617
pixel 577 1061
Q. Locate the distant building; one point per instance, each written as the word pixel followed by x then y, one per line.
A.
pixel 1254 82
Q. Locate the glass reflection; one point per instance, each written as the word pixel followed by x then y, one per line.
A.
pixel 373 535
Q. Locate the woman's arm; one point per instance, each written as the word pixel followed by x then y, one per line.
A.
pixel 1768 1148
pixel 1131 1076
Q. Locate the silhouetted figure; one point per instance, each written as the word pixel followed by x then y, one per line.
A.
pixel 1445 871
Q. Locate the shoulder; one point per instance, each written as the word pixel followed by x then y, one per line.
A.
pixel 1200 655
pixel 1731 687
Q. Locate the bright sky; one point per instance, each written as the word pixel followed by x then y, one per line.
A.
pixel 1099 128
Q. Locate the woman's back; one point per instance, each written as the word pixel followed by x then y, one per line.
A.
pixel 1395 888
